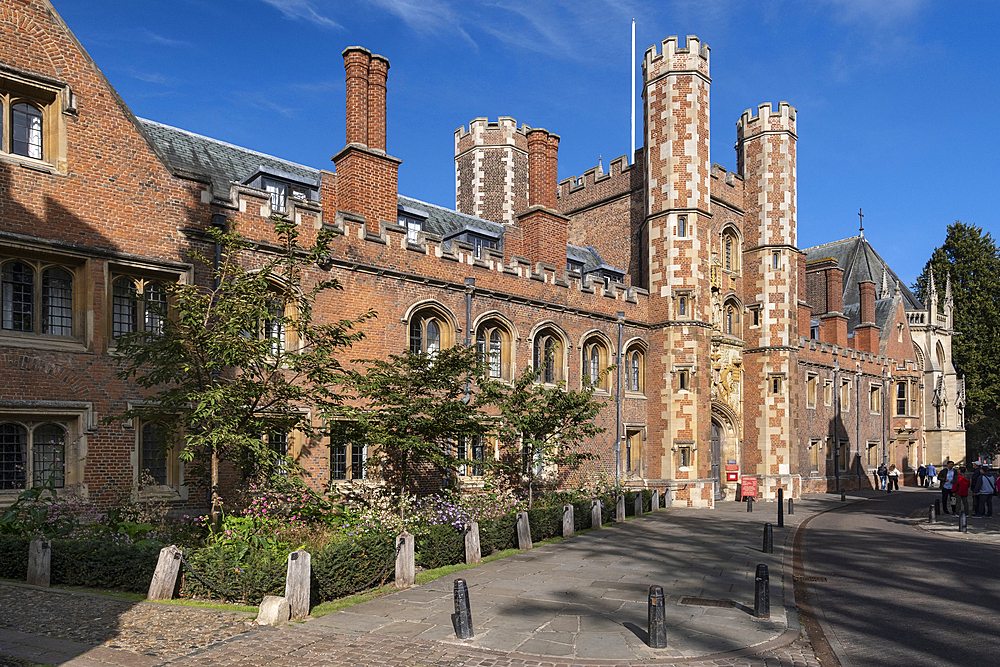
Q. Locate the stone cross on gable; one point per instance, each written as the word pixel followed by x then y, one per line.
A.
pixel 861 217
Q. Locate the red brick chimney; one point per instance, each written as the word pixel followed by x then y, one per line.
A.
pixel 367 178
pixel 544 229
pixel 833 328
pixel 866 334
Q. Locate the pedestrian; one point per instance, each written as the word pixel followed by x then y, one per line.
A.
pixel 947 479
pixel 984 494
pixel 977 473
pixel 893 478
pixel 931 476
pixel 921 474
pixel 882 473
pixel 961 488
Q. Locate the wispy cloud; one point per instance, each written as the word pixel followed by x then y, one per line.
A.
pixel 165 41
pixel 264 104
pixel 316 86
pixel 150 77
pixel 880 13
pixel 303 9
pixel 427 16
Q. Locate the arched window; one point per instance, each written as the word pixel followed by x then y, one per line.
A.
pixel 730 250
pixel 13 457
pixel 493 341
pixel 682 306
pixel 731 317
pixel 49 455
pixel 635 369
pixel 548 356
pixel 595 359
pixel 274 326
pixel 130 312
pixel 32 456
pixel 430 331
pixel 26 130
pixel 17 291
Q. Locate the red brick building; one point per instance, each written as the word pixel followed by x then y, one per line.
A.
pixel 737 353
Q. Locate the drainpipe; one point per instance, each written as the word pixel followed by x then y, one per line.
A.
pixel 618 401
pixel 470 284
pixel 857 421
pixel 836 425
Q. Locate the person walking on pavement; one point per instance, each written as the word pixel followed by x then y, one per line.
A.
pixel 961 488
pixel 893 478
pixel 984 494
pixel 947 479
pixel 977 473
pixel 882 475
pixel 931 476
pixel 921 474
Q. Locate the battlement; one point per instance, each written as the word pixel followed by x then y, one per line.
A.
pixel 693 56
pixel 727 177
pixel 766 120
pixel 483 132
pixel 593 176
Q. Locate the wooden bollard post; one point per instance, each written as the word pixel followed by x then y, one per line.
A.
pixel 595 513
pixel 406 567
pixel 638 503
pixel 297 583
pixel 655 505
pixel 39 562
pixel 523 531
pixel 569 521
pixel 620 508
pixel 473 552
pixel 165 577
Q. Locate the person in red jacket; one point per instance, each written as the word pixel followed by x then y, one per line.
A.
pixel 962 484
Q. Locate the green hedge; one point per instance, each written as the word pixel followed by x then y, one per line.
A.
pixel 102 565
pixel 235 573
pixel 14 557
pixel 353 565
pixel 440 546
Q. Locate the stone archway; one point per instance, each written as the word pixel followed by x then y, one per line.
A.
pixel 725 450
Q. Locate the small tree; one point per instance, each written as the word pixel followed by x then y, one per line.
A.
pixel 412 410
pixel 543 425
pixel 242 358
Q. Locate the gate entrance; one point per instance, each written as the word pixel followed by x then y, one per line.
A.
pixel 717 460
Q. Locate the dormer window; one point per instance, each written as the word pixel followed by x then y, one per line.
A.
pixel 413 227
pixel 479 242
pixel 572 265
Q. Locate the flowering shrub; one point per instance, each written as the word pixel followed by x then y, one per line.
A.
pixel 41 512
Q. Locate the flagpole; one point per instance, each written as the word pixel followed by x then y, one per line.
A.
pixel 632 154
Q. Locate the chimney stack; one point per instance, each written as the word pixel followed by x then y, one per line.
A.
pixel 866 334
pixel 834 322
pixel 367 178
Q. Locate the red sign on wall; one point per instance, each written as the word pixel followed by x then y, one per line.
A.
pixel 732 466
pixel 732 476
pixel 749 487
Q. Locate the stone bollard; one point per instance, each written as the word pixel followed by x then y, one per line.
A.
pixel 462 618
pixel 620 509
pixel 638 503
pixel 569 521
pixel 657 618
pixel 523 531
pixel 655 504
pixel 406 567
pixel 297 583
pixel 781 508
pixel 40 561
pixel 791 507
pixel 963 523
pixel 762 593
pixel 165 576
pixel 768 539
pixel 473 552
pixel 595 513
pixel 273 610
pixel 931 518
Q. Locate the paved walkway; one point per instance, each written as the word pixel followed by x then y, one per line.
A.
pixel 579 602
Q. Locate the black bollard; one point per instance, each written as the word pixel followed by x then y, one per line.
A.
pixel 768 539
pixel 739 491
pixel 931 517
pixel 749 505
pixel 963 524
pixel 791 507
pixel 843 496
pixel 781 508
pixel 462 618
pixel 657 618
pixel 762 593
pixel 937 507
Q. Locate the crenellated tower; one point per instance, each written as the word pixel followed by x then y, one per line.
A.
pixel 491 169
pixel 765 149
pixel 678 211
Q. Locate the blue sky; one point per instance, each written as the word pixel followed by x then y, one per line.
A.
pixel 897 99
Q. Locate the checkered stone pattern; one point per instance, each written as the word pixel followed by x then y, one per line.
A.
pixel 491 169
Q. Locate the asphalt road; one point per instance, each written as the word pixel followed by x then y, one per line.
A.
pixel 897 595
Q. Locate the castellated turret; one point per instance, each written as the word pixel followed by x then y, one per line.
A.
pixel 491 169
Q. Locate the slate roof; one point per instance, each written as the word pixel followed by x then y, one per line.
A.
pixel 859 261
pixel 222 163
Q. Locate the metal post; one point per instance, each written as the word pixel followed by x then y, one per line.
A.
pixel 791 507
pixel 749 505
pixel 462 620
pixel 768 539
pixel 762 593
pixel 930 515
pixel 843 496
pixel 657 618
pixel 781 508
pixel 963 525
